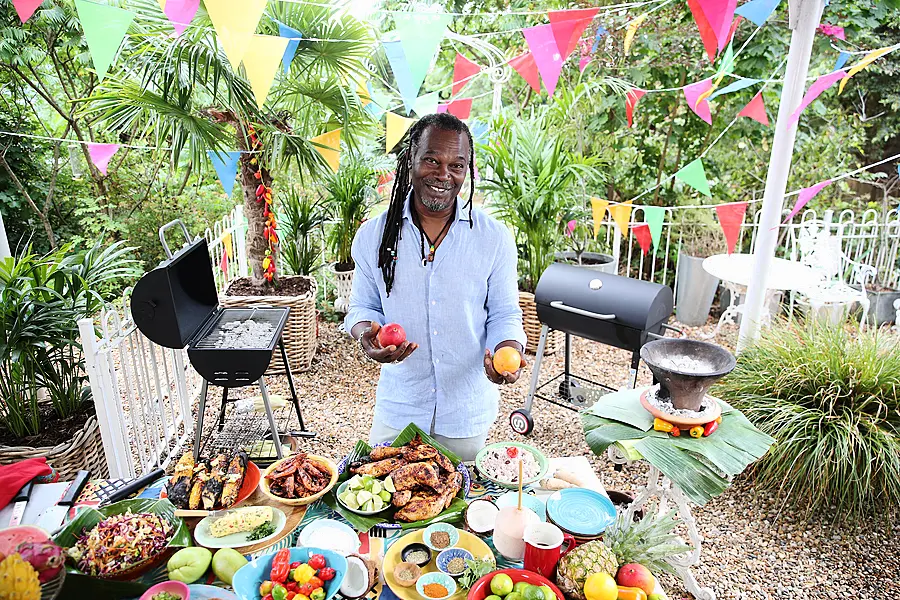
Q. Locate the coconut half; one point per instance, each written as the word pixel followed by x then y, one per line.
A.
pixel 480 516
pixel 360 577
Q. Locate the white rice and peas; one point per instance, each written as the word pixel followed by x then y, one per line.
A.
pixel 498 465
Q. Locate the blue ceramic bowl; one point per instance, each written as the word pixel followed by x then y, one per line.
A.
pixel 441 578
pixel 452 531
pixel 248 578
pixel 528 501
pixel 449 554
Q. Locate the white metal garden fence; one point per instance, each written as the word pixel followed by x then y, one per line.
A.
pixel 228 238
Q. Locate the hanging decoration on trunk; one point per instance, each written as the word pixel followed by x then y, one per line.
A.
pixel 264 196
pixel 731 217
pixel 104 29
pixel 100 154
pixel 642 233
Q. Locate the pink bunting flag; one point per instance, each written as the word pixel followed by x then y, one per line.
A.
pixel 583 63
pixel 734 27
pixel 525 66
pixel 570 227
pixel 26 8
pixel 101 153
pixel 731 217
pixel 223 264
pixel 693 92
pixel 719 14
pixel 463 70
pixel 461 109
pixel 631 100
pixel 815 90
pixel 546 54
pixel 707 35
pixel 805 195
pixel 568 25
pixel 756 110
pixel 181 13
pixel 442 108
pixel 832 31
pixel 642 233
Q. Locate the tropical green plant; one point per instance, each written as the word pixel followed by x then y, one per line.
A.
pixel 533 180
pixel 831 398
pixel 302 215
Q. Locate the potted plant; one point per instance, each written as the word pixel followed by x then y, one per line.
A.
pixel 700 237
pixel 584 250
pixel 301 243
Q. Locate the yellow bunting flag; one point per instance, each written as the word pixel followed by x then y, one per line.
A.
pixel 362 92
pixel 229 248
pixel 261 61
pixel 395 128
pixel 621 214
pixel 632 29
pixel 598 207
pixel 330 148
pixel 162 4
pixel 867 60
pixel 235 23
pixel 705 95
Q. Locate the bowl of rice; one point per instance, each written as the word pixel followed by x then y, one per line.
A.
pixel 499 463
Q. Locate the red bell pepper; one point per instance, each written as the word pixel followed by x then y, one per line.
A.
pixel 281 564
pixel 710 427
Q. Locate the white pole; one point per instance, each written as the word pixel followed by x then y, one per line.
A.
pixel 4 241
pixel 804 20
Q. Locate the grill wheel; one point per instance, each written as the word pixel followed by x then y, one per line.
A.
pixel 521 422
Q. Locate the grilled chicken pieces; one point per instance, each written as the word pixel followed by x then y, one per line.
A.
pixel 408 477
pixel 424 505
pixel 383 452
pixel 380 468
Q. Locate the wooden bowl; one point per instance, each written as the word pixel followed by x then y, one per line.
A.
pixel 326 462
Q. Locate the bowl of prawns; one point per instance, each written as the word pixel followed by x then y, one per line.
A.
pixel 299 479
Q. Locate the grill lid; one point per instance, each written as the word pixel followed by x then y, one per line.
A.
pixel 172 302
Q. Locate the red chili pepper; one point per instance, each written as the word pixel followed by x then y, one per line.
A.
pixel 675 432
pixel 281 564
pixel 326 574
pixel 305 589
pixel 315 582
pixel 710 427
pixel 260 190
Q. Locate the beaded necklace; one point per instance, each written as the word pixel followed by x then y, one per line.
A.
pixel 432 244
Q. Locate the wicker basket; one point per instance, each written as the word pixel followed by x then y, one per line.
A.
pixel 84 451
pixel 299 331
pixel 555 339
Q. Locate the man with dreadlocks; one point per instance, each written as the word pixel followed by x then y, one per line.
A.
pixel 446 272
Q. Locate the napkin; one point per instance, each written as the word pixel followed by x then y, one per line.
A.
pixel 14 477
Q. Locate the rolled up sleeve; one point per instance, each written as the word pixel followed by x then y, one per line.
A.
pixel 504 317
pixel 365 297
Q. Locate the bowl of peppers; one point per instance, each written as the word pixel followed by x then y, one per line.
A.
pixel 312 572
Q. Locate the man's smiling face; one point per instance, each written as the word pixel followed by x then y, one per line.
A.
pixel 440 162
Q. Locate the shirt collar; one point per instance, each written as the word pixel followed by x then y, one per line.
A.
pixel 462 213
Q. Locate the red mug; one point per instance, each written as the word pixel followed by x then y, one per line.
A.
pixel 543 547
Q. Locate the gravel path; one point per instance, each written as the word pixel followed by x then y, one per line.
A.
pixel 750 551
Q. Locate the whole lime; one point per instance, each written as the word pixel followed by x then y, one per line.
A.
pixel 493 597
pixel 502 584
pixel 521 587
pixel 549 594
pixel 533 592
pixel 515 596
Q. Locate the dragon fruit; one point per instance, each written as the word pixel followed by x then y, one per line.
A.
pixel 46 557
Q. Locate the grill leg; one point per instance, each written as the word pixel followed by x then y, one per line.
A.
pixel 290 377
pixel 198 428
pixel 222 409
pixel 633 374
pixel 568 360
pixel 276 438
pixel 536 369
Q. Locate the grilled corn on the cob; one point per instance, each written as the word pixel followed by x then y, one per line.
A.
pixel 180 484
pixel 201 475
pixel 213 488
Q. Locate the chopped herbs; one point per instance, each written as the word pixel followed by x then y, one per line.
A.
pixel 262 530
pixel 475 570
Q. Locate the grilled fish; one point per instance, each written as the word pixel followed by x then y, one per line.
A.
pixel 180 485
pixel 213 488
pixel 234 479
pixel 201 474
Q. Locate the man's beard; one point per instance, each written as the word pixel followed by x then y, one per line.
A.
pixel 436 205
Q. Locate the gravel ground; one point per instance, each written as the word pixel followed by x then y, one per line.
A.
pixel 750 549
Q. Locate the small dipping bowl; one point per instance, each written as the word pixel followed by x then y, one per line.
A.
pixel 416 547
pixel 176 588
pixel 405 567
pixel 439 578
pixel 450 530
pixel 444 558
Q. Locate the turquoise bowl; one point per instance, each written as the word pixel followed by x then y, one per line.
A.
pixel 248 578
pixel 452 531
pixel 441 578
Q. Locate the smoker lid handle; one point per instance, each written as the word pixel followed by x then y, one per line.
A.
pixel 578 311
pixel 169 225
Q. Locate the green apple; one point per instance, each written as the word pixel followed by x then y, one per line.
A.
pixel 189 564
pixel 226 562
pixel 501 584
pixel 549 594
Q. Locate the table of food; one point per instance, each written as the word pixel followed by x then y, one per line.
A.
pixel 401 521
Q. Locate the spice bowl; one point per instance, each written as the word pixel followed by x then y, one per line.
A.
pixel 441 579
pixel 439 529
pixel 450 554
pixel 407 574
pixel 409 554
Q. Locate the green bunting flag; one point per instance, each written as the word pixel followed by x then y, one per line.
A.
pixel 420 35
pixel 654 216
pixel 426 104
pixel 104 29
pixel 694 175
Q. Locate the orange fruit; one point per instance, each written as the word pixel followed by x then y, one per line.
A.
pixel 507 359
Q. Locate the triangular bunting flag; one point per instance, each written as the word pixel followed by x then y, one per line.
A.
pixel 631 30
pixel 226 166
pixel 642 233
pixel 734 28
pixel 601 31
pixel 442 108
pixel 867 60
pixel 815 90
pixel 426 104
pixel 420 36
pixel 293 43
pixel 758 11
pixel 181 13
pixel 261 61
pixel 726 66
pixel 362 91
pixel 100 154
pixel 162 4
pixel 719 14
pixel 583 62
pixel 738 85
pixel 409 91
pixel 654 217
pixel 525 66
pixel 694 175
pixel 330 148
pixel 479 131
pixel 698 105
pixel 805 195
pixel 104 29
pixel 379 101
pixel 631 100
pixel 621 214
pixel 235 23
pixel 546 55
pixel 463 71
pixel 707 35
pixel 568 25
pixel 227 243
pixel 26 8
pixel 731 217
pixel 461 109
pixel 223 264
pixel 598 210
pixel 756 110
pixel 395 128
pixel 842 59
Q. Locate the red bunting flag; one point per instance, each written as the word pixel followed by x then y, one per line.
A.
pixel 756 110
pixel 631 100
pixel 734 26
pixel 707 34
pixel 461 109
pixel 26 8
pixel 731 217
pixel 223 264
pixel 642 233
pixel 525 65
pixel 568 25
pixel 463 70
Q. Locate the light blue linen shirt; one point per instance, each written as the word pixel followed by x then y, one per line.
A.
pixel 454 308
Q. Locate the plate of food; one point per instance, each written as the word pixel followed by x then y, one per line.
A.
pixel 299 479
pixel 499 463
pixel 221 482
pixel 123 540
pixel 238 527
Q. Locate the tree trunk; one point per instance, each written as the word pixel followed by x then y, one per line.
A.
pixel 255 213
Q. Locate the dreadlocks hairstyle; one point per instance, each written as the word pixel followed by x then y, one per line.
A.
pixel 387 252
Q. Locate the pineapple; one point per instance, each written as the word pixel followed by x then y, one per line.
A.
pixel 649 541
pixel 577 565
pixel 18 580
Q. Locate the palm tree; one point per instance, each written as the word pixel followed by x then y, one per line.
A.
pixel 183 93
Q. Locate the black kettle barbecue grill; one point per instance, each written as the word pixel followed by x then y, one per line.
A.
pixel 613 310
pixel 176 305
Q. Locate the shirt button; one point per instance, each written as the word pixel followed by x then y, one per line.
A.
pixel 435 332
pixel 437 360
pixel 433 302
pixel 433 390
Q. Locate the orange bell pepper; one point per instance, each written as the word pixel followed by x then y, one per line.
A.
pixel 631 593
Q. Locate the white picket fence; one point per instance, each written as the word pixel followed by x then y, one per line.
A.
pixel 228 237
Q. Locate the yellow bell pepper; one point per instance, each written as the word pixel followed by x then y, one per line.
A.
pixel 660 425
pixel 303 573
pixel 696 432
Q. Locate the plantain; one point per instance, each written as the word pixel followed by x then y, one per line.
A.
pixel 213 488
pixel 237 468
pixel 180 484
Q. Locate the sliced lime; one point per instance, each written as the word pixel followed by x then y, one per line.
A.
pixel 389 485
pixel 363 496
pixel 376 487
pixel 385 495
